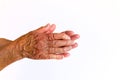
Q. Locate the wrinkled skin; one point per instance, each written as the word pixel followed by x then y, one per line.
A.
pixel 37 45
pixel 42 43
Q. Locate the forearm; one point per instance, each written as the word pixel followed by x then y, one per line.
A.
pixel 8 55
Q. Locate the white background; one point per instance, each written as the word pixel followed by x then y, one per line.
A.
pixel 98 23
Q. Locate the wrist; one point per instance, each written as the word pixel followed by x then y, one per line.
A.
pixel 14 52
pixel 8 55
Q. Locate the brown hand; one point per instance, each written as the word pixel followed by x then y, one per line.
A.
pixel 58 43
pixel 37 45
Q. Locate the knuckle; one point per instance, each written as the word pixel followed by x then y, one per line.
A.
pixel 64 49
pixel 51 50
pixel 67 48
pixel 54 43
pixel 51 36
pixel 65 36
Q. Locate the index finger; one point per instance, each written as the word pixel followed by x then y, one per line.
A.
pixel 58 36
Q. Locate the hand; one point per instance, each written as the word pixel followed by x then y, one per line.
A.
pixel 38 44
pixel 42 44
pixel 69 33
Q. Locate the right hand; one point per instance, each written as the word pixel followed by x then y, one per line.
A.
pixel 39 45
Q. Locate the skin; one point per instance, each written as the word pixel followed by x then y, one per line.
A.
pixel 38 44
pixel 4 42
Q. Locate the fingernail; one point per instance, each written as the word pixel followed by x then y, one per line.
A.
pixel 66 55
pixel 47 26
pixel 75 45
pixel 77 36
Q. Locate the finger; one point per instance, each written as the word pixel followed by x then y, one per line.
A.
pixel 69 33
pixel 66 54
pixel 60 43
pixel 59 50
pixel 51 30
pixel 75 36
pixel 56 56
pixel 44 29
pixel 72 35
pixel 57 36
pixel 74 45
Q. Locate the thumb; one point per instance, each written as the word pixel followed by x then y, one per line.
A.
pixel 43 29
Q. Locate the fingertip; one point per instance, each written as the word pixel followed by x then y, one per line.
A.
pixel 47 26
pixel 75 36
pixel 75 45
pixel 53 25
pixel 69 32
pixel 66 54
pixel 43 29
pixel 51 30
